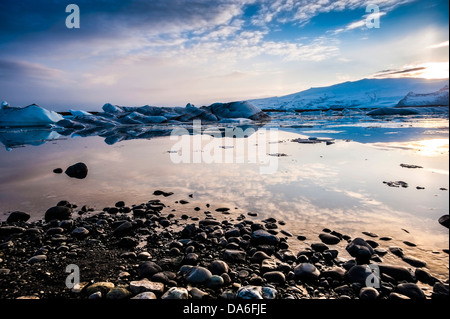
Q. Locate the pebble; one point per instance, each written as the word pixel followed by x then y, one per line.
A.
pixel 360 249
pixel 145 295
pixel 218 267
pixel 123 229
pixel 259 256
pixel 176 293
pixel 215 282
pixel 411 290
pixel 78 170
pixel 358 274
pixel 268 265
pixel 37 259
pixel 368 293
pixel 4 271
pixel 147 269
pixel 329 239
pixel 197 293
pixel 410 244
pixel 58 212
pixel 276 277
pixel 262 237
pixel 95 295
pixel 306 271
pixel 440 291
pixel 18 217
pixel 444 221
pixel 146 285
pixel 250 292
pixel 370 234
pixel 319 247
pixel 196 275
pixel 397 272
pixel 102 287
pixel 237 256
pixel 397 251
pixel 118 293
pixel 413 261
pixel 80 232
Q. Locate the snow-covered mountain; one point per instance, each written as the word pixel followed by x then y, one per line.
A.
pixel 366 93
pixel 439 98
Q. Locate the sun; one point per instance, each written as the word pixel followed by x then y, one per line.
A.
pixel 434 70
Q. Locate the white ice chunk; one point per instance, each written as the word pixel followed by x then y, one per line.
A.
pixel 79 113
pixel 109 108
pixel 32 115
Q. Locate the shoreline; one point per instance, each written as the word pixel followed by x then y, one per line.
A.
pixel 143 251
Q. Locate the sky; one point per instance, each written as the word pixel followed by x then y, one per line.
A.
pixel 174 52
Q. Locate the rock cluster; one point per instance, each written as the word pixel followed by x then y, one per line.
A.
pixel 140 252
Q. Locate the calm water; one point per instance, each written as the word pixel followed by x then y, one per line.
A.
pixel 338 186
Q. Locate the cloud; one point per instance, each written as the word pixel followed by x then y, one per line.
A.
pixel 25 70
pixel 429 70
pixel 439 45
pixel 303 11
pixel 386 73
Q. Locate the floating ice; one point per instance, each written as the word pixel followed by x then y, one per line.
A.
pixel 32 115
pixel 79 113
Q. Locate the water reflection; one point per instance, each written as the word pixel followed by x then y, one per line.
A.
pixel 337 186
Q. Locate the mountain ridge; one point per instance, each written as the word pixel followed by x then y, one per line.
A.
pixel 364 93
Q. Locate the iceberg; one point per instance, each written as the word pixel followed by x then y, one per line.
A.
pixel 235 110
pixel 32 115
pixel 79 113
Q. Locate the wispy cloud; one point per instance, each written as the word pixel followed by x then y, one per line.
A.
pixel 10 69
pixel 408 71
pixel 439 45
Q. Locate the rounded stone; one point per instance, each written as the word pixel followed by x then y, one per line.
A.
pixel 176 293
pixel 276 277
pixel 262 237
pixel 145 295
pixel 215 282
pixel 360 249
pixel 37 259
pixel 78 170
pixel 259 256
pixel 358 274
pixel 80 232
pixel 102 287
pixel 196 275
pixel 18 217
pixel 306 271
pixel 147 269
pixel 250 292
pixel 329 239
pixel 368 293
pixel 58 212
pixel 146 285
pixel 411 290
pixel 218 267
pixel 118 293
